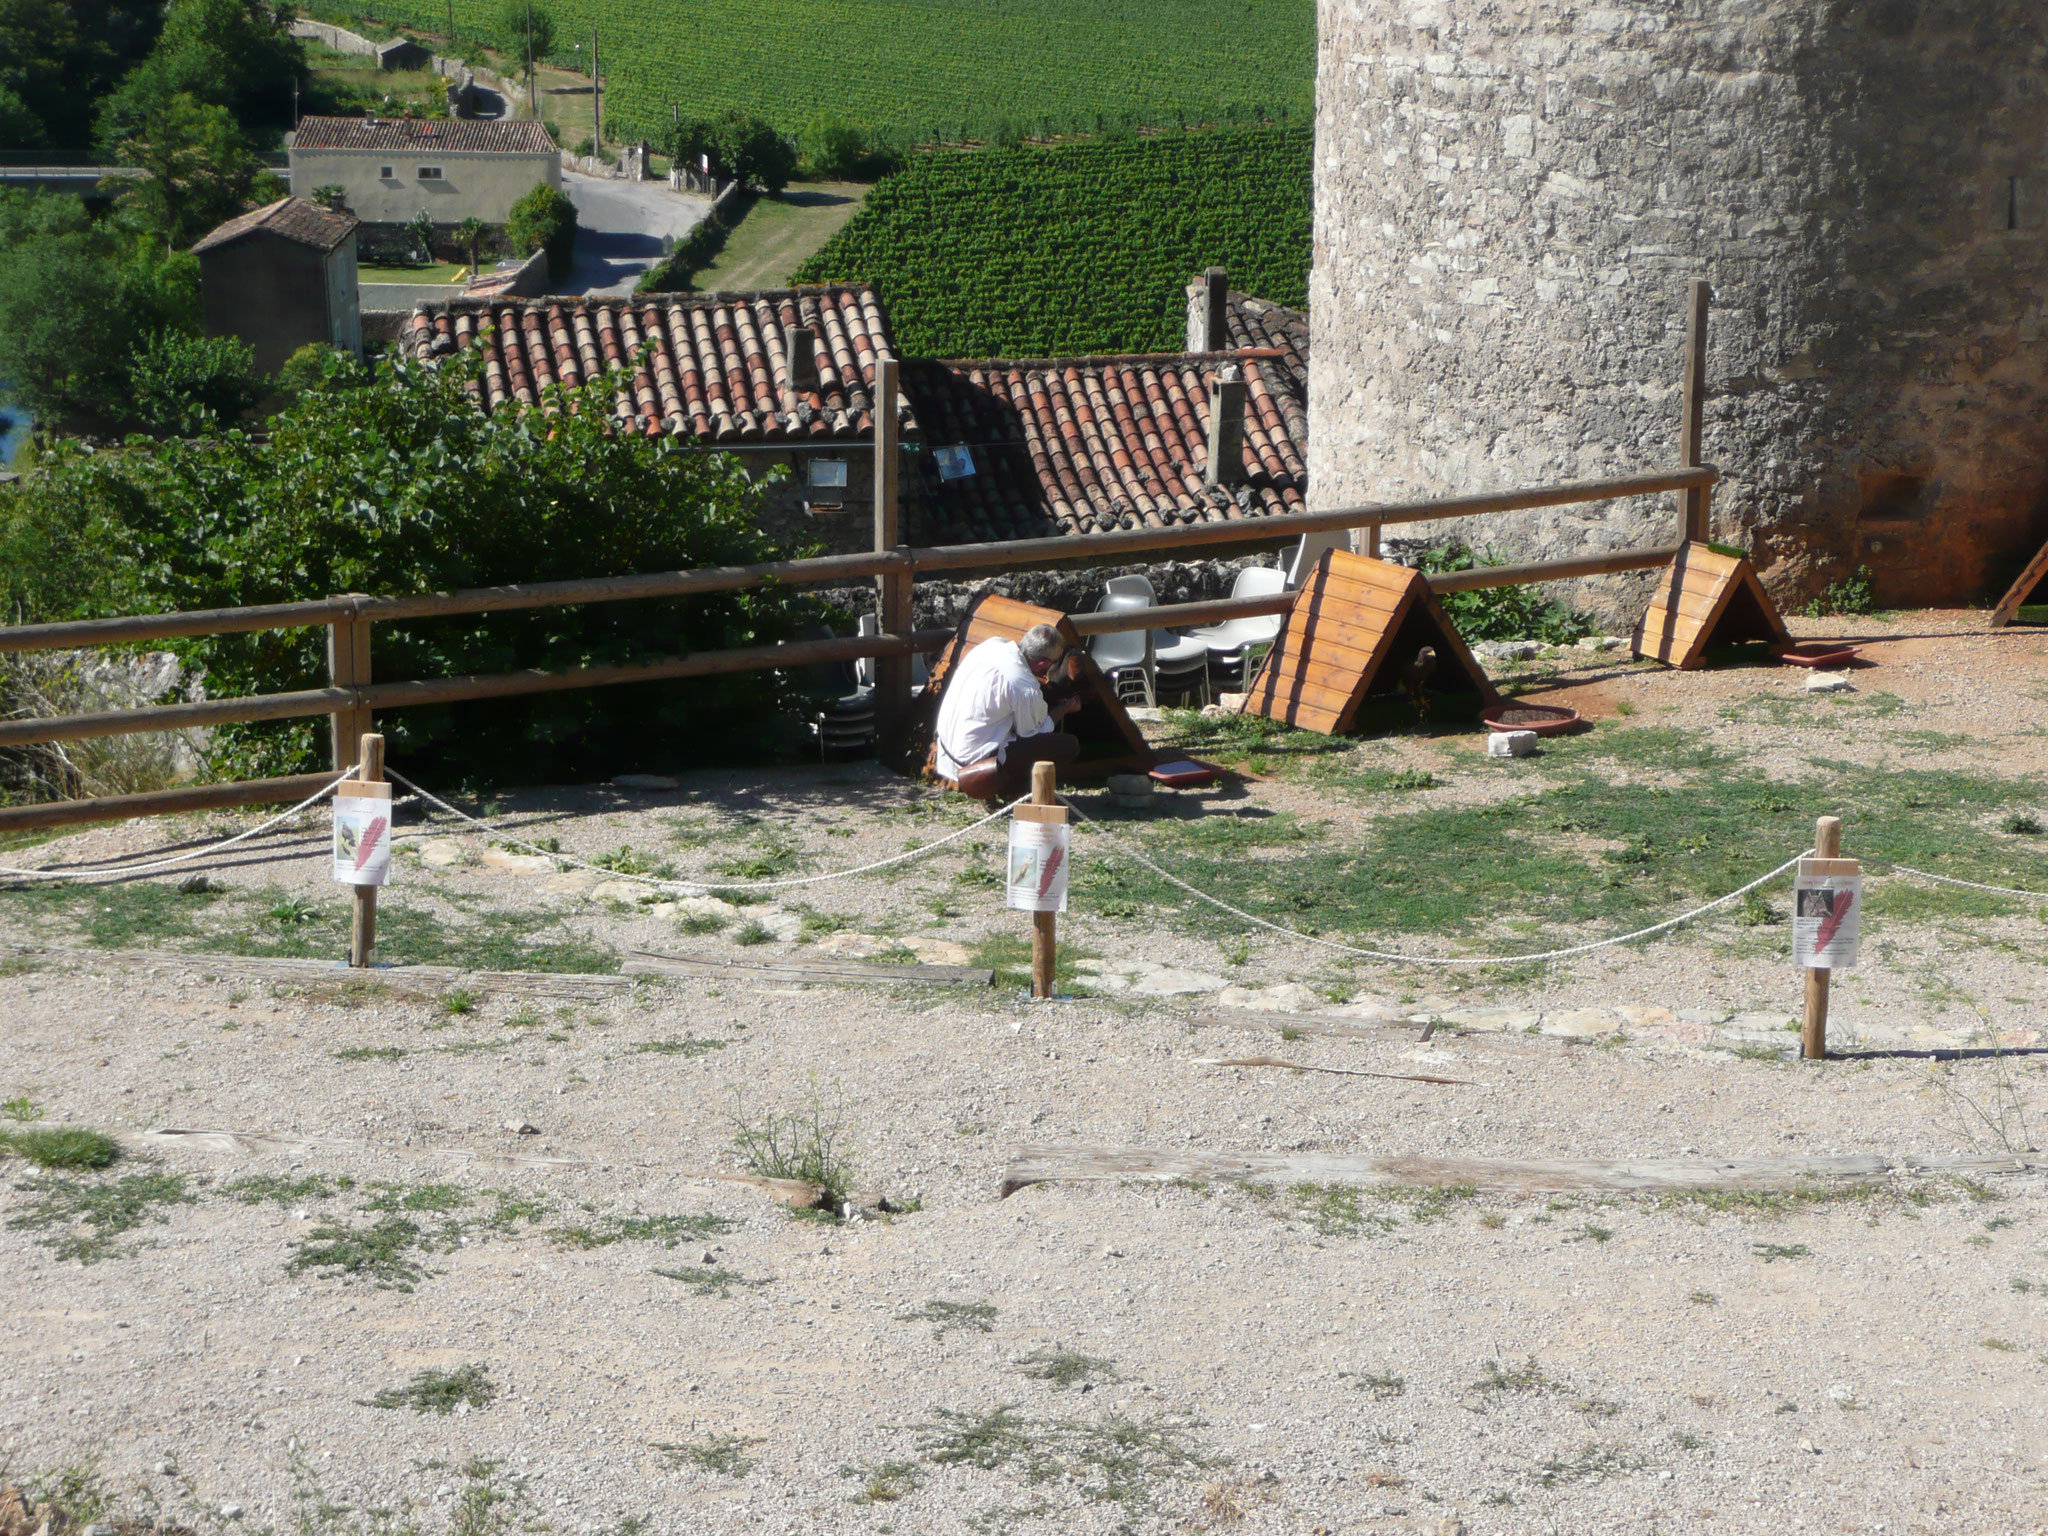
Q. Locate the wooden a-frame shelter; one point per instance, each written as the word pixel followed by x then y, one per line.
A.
pixel 1706 599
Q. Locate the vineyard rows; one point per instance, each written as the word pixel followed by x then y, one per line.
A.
pixel 1077 248
pixel 921 70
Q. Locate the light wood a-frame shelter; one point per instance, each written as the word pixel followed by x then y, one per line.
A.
pixel 2016 595
pixel 1352 634
pixel 1706 599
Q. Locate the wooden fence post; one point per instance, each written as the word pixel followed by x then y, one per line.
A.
pixel 1813 1033
pixel 1696 502
pixel 892 673
pixel 362 937
pixel 1044 925
pixel 348 666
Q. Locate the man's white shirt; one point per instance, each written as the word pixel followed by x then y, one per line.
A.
pixel 990 702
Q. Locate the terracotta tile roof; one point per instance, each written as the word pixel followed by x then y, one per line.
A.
pixel 447 136
pixel 1094 445
pixel 292 217
pixel 718 366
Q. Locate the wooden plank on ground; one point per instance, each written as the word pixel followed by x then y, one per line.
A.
pixel 832 971
pixel 1068 1163
pixel 435 978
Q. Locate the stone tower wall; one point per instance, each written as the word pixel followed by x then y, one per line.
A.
pixel 1512 194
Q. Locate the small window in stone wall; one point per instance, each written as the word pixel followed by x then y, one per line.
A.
pixel 1891 496
pixel 826 474
pixel 430 173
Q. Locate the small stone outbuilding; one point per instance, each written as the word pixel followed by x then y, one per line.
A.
pixel 281 277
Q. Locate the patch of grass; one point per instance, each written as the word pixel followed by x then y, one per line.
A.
pixel 1848 595
pixel 81 1218
pixel 1337 1210
pixel 2002 1346
pixel 710 1280
pixel 381 1252
pixel 1704 1299
pixel 1118 1459
pixel 1593 1463
pixel 256 1188
pixel 1770 1253
pixel 22 1110
pixel 774 858
pixel 1526 1377
pixel 947 1316
pixel 723 1454
pixel 688 1046
pixel 1065 1368
pixel 2021 823
pixel 699 923
pixel 369 1053
pixel 623 860
pixel 753 931
pixel 666 1230
pixel 810 1143
pixel 441 1392
pixel 885 1482
pixel 1592 1234
pixel 1395 780
pixel 457 1001
pixel 62 1147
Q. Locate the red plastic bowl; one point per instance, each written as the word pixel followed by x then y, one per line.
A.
pixel 1817 653
pixel 1543 719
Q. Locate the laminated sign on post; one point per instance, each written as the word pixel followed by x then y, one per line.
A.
pixel 1827 913
pixel 362 834
pixel 1038 864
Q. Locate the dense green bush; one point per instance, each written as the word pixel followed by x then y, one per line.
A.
pixel 405 486
pixel 1080 247
pixel 545 219
pixel 185 384
pixel 1502 613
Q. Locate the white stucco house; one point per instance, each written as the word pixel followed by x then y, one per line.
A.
pixel 451 168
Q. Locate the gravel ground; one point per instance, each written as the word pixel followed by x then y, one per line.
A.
pixel 1273 1360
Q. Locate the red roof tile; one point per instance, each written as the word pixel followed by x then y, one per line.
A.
pixel 446 136
pixel 716 365
pixel 292 217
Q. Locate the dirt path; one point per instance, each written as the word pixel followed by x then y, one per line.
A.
pixel 1260 1357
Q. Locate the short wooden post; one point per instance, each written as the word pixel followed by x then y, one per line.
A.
pixel 348 666
pixel 362 937
pixel 1813 1033
pixel 1044 925
pixel 892 673
pixel 1696 502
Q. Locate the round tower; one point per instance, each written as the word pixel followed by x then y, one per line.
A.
pixel 1511 196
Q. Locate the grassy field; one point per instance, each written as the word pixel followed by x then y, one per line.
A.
pixel 439 272
pixel 779 235
pixel 1087 247
pixel 916 70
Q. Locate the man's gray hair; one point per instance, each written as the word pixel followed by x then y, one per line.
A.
pixel 1041 642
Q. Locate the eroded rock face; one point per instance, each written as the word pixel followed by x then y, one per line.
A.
pixel 1510 200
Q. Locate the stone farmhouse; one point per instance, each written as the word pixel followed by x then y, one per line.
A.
pixel 280 277
pixel 994 448
pixel 1511 200
pixel 392 169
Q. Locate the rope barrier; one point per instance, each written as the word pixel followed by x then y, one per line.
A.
pixel 1379 954
pixel 125 871
pixel 1968 885
pixel 704 885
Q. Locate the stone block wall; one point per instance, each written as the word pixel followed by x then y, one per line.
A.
pixel 1512 195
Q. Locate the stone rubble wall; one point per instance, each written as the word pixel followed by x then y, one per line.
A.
pixel 1510 201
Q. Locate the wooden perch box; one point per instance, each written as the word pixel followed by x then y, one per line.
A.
pixel 1706 599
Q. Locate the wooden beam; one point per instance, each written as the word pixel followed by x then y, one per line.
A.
pixel 831 972
pixel 161 802
pixel 1484 576
pixel 1693 408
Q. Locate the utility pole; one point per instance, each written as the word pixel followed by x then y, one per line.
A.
pixel 596 98
pixel 532 95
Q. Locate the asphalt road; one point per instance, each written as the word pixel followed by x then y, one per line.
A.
pixel 624 225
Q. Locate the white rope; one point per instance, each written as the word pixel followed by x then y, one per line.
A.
pixel 1377 954
pixel 1968 885
pixel 672 882
pixel 124 871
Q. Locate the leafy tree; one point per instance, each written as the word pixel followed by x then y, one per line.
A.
pixel 469 234
pixel 76 298
pixel 332 196
pixel 689 141
pixel 58 58
pixel 544 219
pixel 754 152
pixel 514 19
pixel 421 227
pixel 237 54
pixel 316 365
pixel 836 150
pixel 406 486
pixel 201 170
pixel 185 384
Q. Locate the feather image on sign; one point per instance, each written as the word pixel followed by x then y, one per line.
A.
pixel 362 840
pixel 1827 919
pixel 1038 867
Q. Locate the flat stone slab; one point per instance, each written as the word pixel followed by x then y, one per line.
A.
pixel 1579 1024
pixel 508 862
pixel 1164 982
pixel 1284 997
pixel 444 852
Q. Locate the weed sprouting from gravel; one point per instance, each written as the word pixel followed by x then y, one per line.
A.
pixel 1594 1463
pixel 752 931
pixel 1338 1210
pixel 723 1454
pixel 1526 1377
pixel 257 1188
pixel 885 1482
pixel 457 1001
pixel 947 1316
pixel 688 1046
pixel 61 1147
pixel 1119 1459
pixel 711 1280
pixel 1379 1385
pixel 1770 1253
pixel 809 1144
pixel 22 1109
pixel 1064 1368
pixel 1704 1299
pixel 987 1439
pixel 666 1230
pixel 380 1252
pixel 81 1218
pixel 440 1392
pixel 369 1053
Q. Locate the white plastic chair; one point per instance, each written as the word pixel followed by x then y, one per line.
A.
pixel 1227 646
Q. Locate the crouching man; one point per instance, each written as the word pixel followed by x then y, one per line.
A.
pixel 994 721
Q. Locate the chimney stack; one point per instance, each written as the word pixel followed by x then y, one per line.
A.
pixel 1208 316
pixel 802 344
pixel 1226 427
